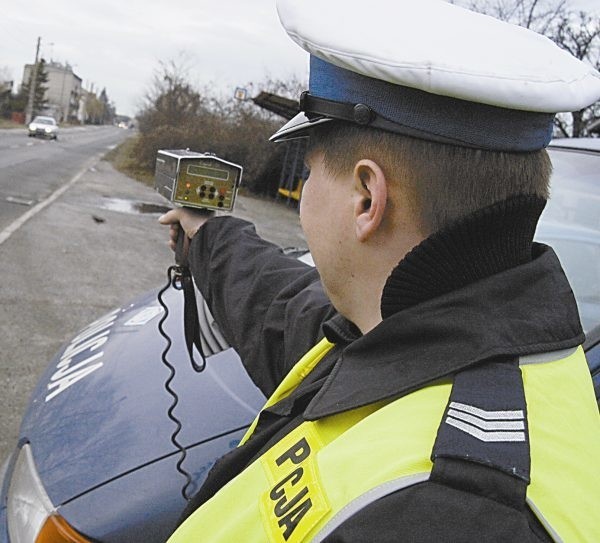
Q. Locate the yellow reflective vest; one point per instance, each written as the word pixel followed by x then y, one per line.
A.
pixel 324 471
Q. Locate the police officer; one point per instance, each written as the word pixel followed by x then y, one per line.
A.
pixel 426 380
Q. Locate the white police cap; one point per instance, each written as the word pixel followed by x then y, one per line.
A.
pixel 432 70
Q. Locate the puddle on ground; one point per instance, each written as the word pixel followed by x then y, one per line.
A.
pixel 131 206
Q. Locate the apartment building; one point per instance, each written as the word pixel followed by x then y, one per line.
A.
pixel 64 90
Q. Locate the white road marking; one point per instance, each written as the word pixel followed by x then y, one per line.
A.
pixel 15 225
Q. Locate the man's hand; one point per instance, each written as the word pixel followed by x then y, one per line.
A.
pixel 188 219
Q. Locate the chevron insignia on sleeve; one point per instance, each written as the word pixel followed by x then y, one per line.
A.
pixel 487 426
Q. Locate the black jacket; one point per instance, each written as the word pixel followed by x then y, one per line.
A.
pixel 497 296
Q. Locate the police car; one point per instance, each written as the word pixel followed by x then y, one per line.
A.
pixel 96 460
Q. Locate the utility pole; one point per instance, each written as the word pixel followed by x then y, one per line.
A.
pixel 62 90
pixel 32 85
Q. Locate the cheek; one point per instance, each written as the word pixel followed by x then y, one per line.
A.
pixel 313 225
pixel 303 212
pixel 307 206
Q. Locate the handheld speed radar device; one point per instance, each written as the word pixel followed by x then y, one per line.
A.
pixel 205 182
pixel 199 180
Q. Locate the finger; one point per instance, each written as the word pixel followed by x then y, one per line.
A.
pixel 174 231
pixel 170 217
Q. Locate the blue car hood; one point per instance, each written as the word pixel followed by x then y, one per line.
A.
pixel 100 409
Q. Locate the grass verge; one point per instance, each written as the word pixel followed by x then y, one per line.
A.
pixel 123 159
pixel 5 123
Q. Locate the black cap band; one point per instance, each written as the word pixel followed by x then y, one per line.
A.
pixel 336 93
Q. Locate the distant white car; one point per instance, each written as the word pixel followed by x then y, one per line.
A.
pixel 46 127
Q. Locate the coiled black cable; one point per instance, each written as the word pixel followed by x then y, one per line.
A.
pixel 173 274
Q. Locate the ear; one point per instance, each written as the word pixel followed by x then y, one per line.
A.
pixel 371 198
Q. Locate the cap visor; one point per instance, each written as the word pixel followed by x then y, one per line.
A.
pixel 297 127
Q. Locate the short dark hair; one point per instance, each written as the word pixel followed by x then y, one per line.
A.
pixel 443 182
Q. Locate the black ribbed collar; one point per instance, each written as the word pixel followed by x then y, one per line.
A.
pixel 523 309
pixel 486 242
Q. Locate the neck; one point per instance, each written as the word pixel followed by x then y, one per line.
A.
pixel 361 294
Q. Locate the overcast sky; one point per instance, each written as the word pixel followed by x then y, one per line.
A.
pixel 118 44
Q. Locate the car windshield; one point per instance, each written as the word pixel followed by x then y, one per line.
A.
pixel 571 225
pixel 44 120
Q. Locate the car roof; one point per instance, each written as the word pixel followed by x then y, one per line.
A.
pixel 583 144
pixel 570 222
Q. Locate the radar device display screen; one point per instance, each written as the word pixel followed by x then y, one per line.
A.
pixel 200 180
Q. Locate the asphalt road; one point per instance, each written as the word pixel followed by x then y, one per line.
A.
pixel 77 238
pixel 33 168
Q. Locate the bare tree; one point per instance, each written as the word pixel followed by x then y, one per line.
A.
pixel 4 74
pixel 579 34
pixel 171 100
pixel 575 31
pixel 538 15
pixel 5 91
pixel 288 88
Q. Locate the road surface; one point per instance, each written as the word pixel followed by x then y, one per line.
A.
pixel 33 168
